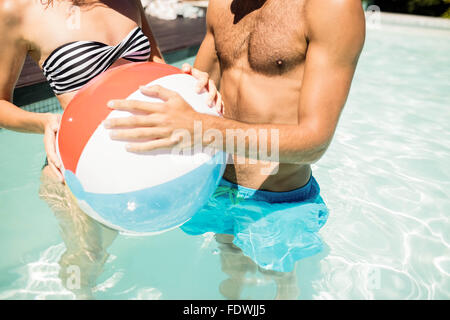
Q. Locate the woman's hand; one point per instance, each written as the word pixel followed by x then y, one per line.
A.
pixel 51 129
pixel 205 83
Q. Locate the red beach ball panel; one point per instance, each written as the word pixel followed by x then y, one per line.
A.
pixel 88 108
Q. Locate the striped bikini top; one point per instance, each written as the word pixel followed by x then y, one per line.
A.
pixel 74 64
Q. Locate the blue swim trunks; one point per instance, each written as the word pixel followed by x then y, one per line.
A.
pixel 274 229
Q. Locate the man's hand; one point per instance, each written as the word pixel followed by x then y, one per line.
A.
pixel 51 129
pixel 205 83
pixel 158 125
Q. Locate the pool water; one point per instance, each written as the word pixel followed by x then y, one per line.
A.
pixel 385 178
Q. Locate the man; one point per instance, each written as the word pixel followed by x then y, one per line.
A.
pixel 284 67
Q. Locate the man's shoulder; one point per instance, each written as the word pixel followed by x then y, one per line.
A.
pixel 329 15
pixel 330 8
pixel 339 25
pixel 216 3
pixel 333 4
pixel 216 6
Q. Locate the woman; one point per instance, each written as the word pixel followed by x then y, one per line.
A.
pixel 77 41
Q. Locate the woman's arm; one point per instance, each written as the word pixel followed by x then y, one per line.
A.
pixel 13 52
pixel 156 55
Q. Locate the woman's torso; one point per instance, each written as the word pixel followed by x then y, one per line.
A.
pixel 47 28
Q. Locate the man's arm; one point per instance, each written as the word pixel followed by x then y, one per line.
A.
pixel 207 60
pixel 335 33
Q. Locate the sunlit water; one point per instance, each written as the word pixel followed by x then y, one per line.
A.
pixel 385 178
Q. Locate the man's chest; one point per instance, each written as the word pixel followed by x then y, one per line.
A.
pixel 271 38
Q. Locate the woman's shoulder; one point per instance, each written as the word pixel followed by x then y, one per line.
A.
pixel 10 17
pixel 12 12
pixel 13 7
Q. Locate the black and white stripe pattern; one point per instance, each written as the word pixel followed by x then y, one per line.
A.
pixel 74 64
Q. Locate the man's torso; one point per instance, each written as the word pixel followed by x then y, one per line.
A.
pixel 261 46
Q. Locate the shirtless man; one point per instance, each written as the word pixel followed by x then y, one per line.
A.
pixel 284 65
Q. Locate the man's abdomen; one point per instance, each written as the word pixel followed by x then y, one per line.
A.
pixel 254 98
pixel 284 177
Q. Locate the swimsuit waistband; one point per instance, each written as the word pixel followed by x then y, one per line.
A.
pixel 311 189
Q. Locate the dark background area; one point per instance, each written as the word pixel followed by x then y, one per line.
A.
pixel 435 8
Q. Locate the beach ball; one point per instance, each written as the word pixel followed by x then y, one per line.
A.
pixel 139 194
